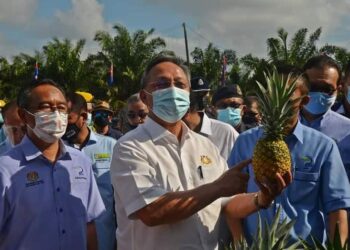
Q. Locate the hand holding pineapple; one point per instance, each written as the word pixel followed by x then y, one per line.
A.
pixel 270 189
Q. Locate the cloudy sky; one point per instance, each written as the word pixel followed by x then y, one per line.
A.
pixel 242 25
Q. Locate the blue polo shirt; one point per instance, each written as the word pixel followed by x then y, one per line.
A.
pixel 45 205
pixel 99 149
pixel 319 186
pixel 337 127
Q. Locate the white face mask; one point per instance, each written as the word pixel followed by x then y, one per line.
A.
pixel 49 126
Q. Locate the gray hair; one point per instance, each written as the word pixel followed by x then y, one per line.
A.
pixel 133 99
pixel 165 58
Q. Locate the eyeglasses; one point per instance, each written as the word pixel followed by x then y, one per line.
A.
pixel 322 87
pixel 166 83
pixel 141 114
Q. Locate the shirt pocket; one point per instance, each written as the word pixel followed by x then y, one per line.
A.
pixel 304 187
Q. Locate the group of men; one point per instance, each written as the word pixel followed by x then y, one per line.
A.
pixel 169 181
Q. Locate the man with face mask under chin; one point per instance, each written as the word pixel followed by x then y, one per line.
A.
pixel 48 195
pixel 170 183
pixel 99 149
pixel 324 76
pixel 102 119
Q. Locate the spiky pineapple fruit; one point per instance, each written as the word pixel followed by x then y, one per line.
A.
pixel 271 154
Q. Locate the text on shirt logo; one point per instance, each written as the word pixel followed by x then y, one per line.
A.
pixel 33 179
pixel 79 171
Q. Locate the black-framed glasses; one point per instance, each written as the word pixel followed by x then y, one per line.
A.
pixel 141 114
pixel 166 83
pixel 322 87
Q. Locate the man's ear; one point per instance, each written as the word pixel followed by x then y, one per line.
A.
pixel 22 115
pixel 305 100
pixel 244 109
pixel 143 96
pixel 84 115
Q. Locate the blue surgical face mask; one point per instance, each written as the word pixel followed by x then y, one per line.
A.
pixel 319 103
pixel 170 104
pixel 230 115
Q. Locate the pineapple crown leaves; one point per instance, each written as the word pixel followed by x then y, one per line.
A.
pixel 275 102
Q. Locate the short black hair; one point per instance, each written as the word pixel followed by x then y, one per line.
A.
pixel 24 95
pixel 8 106
pixel 164 58
pixel 78 103
pixel 249 100
pixel 321 62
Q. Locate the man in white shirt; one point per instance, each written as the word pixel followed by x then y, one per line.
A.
pixel 169 181
pixel 219 133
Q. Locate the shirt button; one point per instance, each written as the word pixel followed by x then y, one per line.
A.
pixel 61 210
pixel 63 231
pixel 58 189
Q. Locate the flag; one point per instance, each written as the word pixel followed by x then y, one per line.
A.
pixel 223 72
pixel 110 77
pixel 36 71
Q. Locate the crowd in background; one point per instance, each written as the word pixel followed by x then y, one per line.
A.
pixel 75 174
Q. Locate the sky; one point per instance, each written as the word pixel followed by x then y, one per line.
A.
pixel 241 25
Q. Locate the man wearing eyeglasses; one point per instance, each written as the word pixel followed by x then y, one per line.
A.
pixel 13 127
pixel 48 195
pixel 170 183
pixel 137 111
pixel 324 75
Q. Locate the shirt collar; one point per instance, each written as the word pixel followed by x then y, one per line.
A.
pixel 297 132
pixel 31 151
pixel 318 121
pixel 206 125
pixel 158 132
pixel 92 137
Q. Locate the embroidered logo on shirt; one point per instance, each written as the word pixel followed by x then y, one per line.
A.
pixel 205 160
pixel 33 179
pixel 306 159
pixel 79 173
pixel 102 157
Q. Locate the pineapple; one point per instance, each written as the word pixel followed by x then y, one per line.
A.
pixel 271 154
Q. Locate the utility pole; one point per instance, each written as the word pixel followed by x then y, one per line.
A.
pixel 186 44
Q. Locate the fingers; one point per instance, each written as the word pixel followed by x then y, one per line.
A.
pixel 239 167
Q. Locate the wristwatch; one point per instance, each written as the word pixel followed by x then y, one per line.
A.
pixel 256 202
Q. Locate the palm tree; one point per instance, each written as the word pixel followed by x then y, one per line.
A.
pixel 299 49
pixel 129 54
pixel 208 63
pixel 63 62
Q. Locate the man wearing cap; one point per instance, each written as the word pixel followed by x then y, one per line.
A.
pixel 219 133
pixel 170 182
pixel 99 149
pixel 102 118
pixel 13 127
pixel 228 101
pixel 48 194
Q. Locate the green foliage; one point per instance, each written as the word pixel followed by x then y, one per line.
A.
pixel 208 63
pixel 61 61
pixel 270 237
